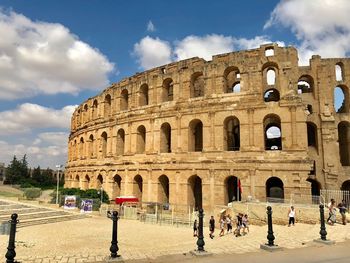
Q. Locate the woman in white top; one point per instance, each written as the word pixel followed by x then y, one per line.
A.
pixel 291 214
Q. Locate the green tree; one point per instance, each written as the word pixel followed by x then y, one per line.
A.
pixel 17 171
pixel 36 175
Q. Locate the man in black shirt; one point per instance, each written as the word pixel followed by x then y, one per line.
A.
pixel 211 227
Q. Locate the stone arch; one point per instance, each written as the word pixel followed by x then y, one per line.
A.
pixel 75 155
pixel 86 182
pixel 143 95
pixel 76 181
pixel 274 189
pixel 141 139
pixel 95 109
pixel 195 136
pixel 305 84
pixel 232 189
pixel 138 187
pixel 107 105
pixel 163 189
pixel 344 142
pixel 165 138
pixel 104 139
pixel 86 113
pixel 271 95
pixel 339 71
pixel 91 146
pixel 195 191
pixel 99 181
pixel 116 188
pixel 272 132
pixel 312 139
pixel 168 90
pixel 270 74
pixel 315 188
pixel 341 99
pixel 81 147
pixel 120 142
pixel 231 134
pixel 124 100
pixel 197 85
pixel 345 186
pixel 232 79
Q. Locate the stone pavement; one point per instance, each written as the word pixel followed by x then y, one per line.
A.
pixel 88 240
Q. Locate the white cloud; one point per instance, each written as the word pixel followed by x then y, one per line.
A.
pixel 46 58
pixel 150 27
pixel 152 52
pixel 322 26
pixel 30 116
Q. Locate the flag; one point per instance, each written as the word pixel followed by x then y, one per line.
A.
pixel 239 186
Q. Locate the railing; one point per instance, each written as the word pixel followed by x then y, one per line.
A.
pixel 337 195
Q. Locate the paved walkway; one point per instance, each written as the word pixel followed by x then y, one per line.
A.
pixel 88 240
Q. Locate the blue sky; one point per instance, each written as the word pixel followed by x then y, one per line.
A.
pixel 56 54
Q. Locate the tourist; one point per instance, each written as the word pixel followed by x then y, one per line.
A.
pixel 245 223
pixel 328 206
pixel 237 232
pixel 195 228
pixel 291 215
pixel 332 213
pixel 222 226
pixel 229 224
pixel 342 211
pixel 211 227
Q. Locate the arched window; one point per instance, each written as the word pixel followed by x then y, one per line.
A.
pixel 232 189
pixel 143 95
pixel 305 84
pixel 339 73
pixel 195 192
pixel 341 99
pixel 124 100
pixel 195 140
pixel 163 189
pixel 345 186
pixel 168 90
pixel 231 134
pixel 232 79
pixel 91 146
pixel 107 106
pixel 116 186
pixel 104 144
pixel 197 85
pixel 81 148
pixel 272 132
pixel 141 139
pixel 311 134
pixel 274 190
pixel 271 77
pixel 99 181
pixel 165 138
pixel 137 187
pixel 86 113
pixel 271 95
pixel 315 190
pixel 344 142
pixel 75 150
pixel 86 183
pixel 95 109
pixel 120 142
pixel 78 118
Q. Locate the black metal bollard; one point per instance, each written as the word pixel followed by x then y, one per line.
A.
pixel 323 231
pixel 11 253
pixel 270 236
pixel 114 244
pixel 200 241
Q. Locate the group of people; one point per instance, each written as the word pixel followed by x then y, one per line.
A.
pixel 332 208
pixel 242 225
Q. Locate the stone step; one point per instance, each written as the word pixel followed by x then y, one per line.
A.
pixel 12 206
pixel 23 211
pixel 24 216
pixel 40 221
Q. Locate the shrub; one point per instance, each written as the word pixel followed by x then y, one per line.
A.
pixel 32 193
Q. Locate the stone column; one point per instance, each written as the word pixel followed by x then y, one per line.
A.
pixel 178 122
pixel 251 127
pixel 293 124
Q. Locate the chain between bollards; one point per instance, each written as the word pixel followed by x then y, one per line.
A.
pixel 11 253
pixel 323 231
pixel 114 244
pixel 200 241
pixel 270 236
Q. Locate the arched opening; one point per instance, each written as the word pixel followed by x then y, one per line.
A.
pixel 78 117
pixel 120 142
pixel 86 113
pixel 232 80
pixel 197 85
pixel 345 186
pixel 195 191
pixel 271 95
pixel 81 148
pixel 143 98
pixel 274 190
pixel 341 99
pixel 195 140
pixel 95 109
pixel 339 73
pixel 86 183
pixel 236 87
pixel 272 132
pixel 141 139
pixel 117 180
pixel 137 187
pixel 305 84
pixel 344 142
pixel 107 106
pixel 165 138
pixel 231 134
pixel 311 135
pixel 91 146
pixel 124 100
pixel 99 181
pixel 77 182
pixel 315 187
pixel 232 189
pixel 163 189
pixel 271 77
pixel 75 150
pixel 168 90
pixel 104 144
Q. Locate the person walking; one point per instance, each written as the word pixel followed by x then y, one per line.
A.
pixel 245 223
pixel 291 215
pixel 222 226
pixel 329 211
pixel 195 228
pixel 211 227
pixel 332 213
pixel 229 224
pixel 342 211
pixel 237 232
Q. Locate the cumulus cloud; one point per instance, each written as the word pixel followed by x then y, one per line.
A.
pixel 150 27
pixel 322 26
pixel 152 52
pixel 29 116
pixel 46 58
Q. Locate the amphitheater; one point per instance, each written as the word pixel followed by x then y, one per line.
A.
pixel 250 124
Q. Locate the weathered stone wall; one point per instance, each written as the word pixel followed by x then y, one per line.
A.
pixel 178 133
